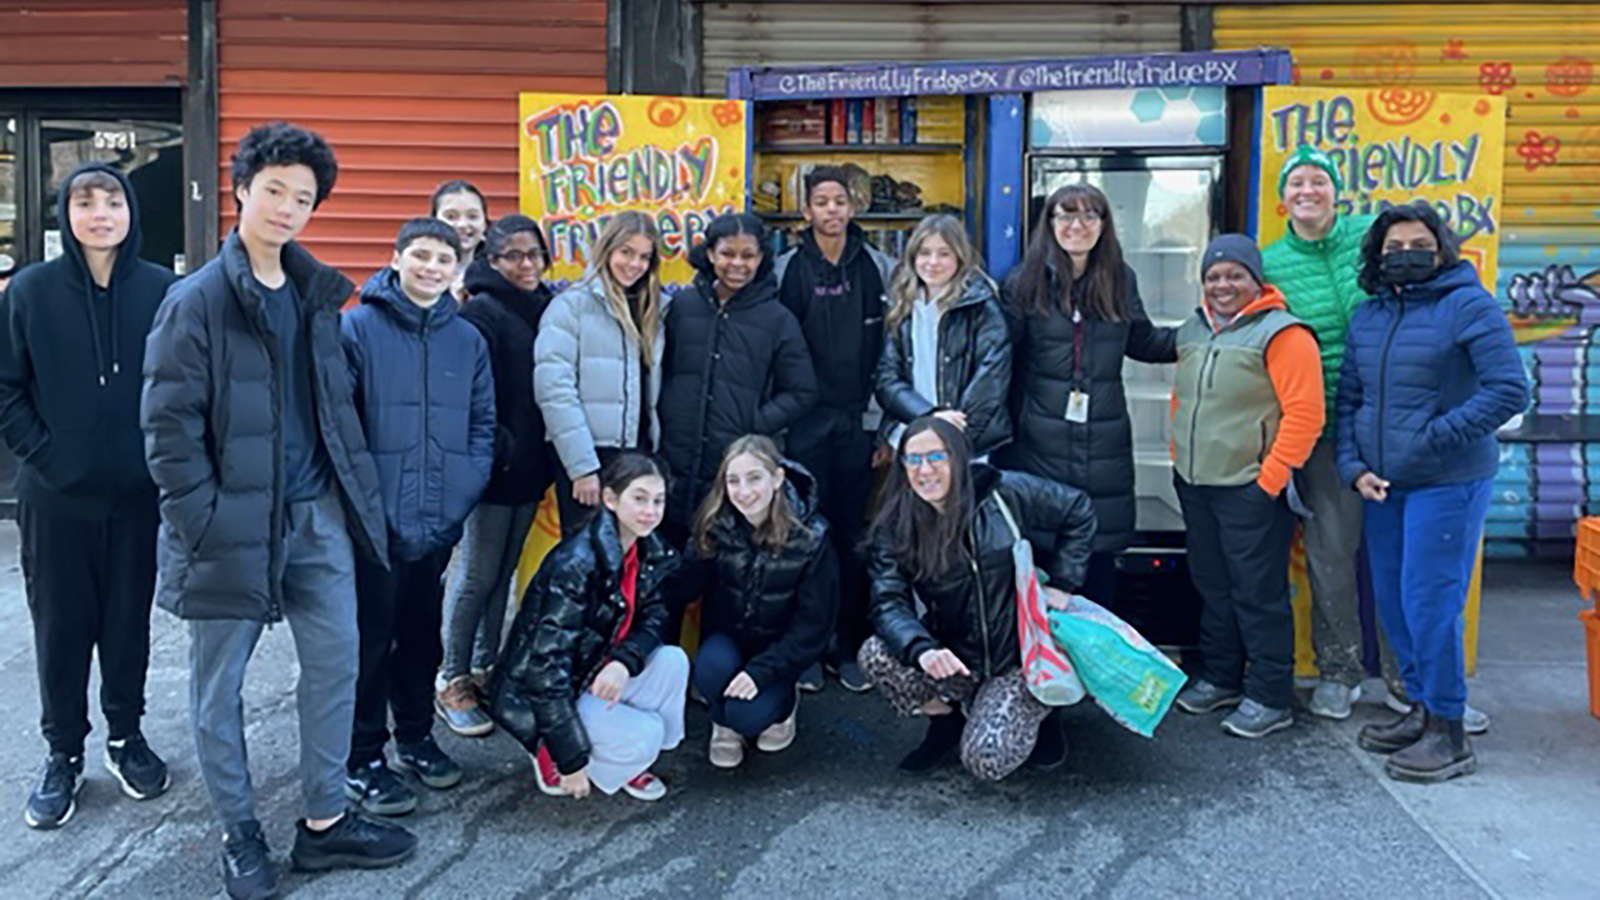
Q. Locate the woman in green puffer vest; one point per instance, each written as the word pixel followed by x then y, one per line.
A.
pixel 1314 264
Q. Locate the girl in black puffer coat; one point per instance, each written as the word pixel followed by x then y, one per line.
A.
pixel 761 558
pixel 946 350
pixel 585 684
pixel 1074 312
pixel 943 538
pixel 736 362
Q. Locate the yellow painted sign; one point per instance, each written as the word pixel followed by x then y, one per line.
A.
pixel 585 158
pixel 1393 145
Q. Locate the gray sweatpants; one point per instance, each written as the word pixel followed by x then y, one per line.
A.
pixel 1332 537
pixel 319 602
pixel 475 605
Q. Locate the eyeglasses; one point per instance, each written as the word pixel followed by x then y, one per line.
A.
pixel 915 460
pixel 518 257
pixel 1085 217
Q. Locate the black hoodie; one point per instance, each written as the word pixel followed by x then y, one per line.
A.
pixel 730 369
pixel 71 358
pixel 508 317
pixel 840 308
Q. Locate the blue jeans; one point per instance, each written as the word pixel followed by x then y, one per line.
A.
pixel 718 661
pixel 1421 545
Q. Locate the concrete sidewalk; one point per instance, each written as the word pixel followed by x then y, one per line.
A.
pixel 1192 813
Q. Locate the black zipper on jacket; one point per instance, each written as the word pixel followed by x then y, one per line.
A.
pixel 260 321
pixel 983 607
pixel 422 493
pixel 1208 365
pixel 1383 377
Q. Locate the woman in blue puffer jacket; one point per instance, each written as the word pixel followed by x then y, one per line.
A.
pixel 1430 372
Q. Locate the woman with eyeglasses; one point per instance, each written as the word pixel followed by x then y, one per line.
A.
pixel 508 297
pixel 1074 312
pixel 942 538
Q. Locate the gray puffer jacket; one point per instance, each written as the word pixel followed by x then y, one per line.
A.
pixel 587 378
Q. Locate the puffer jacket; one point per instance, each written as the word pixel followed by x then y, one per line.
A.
pixel 70 361
pixel 1430 372
pixel 972 607
pixel 425 393
pixel 1318 282
pixel 1095 456
pixel 589 380
pixel 974 369
pixel 214 439
pixel 508 318
pixel 779 606
pixel 565 632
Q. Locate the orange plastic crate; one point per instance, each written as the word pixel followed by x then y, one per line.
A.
pixel 1591 635
pixel 1586 557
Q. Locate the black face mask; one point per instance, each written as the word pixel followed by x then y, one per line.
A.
pixel 1408 266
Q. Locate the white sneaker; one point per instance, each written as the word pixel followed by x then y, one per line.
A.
pixel 1333 700
pixel 779 736
pixel 727 747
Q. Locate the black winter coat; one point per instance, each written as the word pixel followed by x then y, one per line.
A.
pixel 729 370
pixel 972 607
pixel 564 632
pixel 780 605
pixel 974 369
pixel 213 428
pixel 426 398
pixel 70 362
pixel 508 317
pixel 1097 455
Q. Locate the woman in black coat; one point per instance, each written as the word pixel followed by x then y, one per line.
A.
pixel 942 538
pixel 586 684
pixel 761 559
pixel 508 296
pixel 946 350
pixel 1074 312
pixel 736 362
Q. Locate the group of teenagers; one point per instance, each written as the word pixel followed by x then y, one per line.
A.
pixel 830 452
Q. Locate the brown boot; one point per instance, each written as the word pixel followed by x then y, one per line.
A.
pixel 1443 753
pixel 457 705
pixel 1397 735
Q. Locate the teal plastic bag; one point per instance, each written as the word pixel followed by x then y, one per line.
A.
pixel 1124 673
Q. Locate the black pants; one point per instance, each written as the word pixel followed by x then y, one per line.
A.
pixel 89 584
pixel 833 446
pixel 1100 580
pixel 575 515
pixel 1238 540
pixel 398 611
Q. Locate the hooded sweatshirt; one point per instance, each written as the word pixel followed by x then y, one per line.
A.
pixel 71 363
pixel 840 308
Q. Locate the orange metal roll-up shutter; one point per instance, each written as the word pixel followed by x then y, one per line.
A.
pixel 410 93
pixel 93 43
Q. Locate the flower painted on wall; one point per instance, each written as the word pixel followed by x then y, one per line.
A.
pixel 1538 150
pixel 1454 48
pixel 1496 77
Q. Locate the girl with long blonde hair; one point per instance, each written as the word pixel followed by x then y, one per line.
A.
pixel 762 560
pixel 597 359
pixel 946 350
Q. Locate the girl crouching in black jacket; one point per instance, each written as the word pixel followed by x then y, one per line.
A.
pixel 762 559
pixel 943 538
pixel 586 684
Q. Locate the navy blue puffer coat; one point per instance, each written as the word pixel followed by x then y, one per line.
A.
pixel 425 393
pixel 1430 372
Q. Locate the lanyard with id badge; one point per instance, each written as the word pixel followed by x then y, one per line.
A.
pixel 1078 399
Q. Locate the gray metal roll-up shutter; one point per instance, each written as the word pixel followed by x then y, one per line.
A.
pixel 791 33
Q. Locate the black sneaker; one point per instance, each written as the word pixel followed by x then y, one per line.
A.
pixel 853 679
pixel 1050 751
pixel 378 790
pixel 355 841
pixel 141 771
pixel 425 760
pixel 247 866
pixel 811 679
pixel 54 798
pixel 942 739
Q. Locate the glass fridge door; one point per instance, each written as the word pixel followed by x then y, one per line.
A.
pixel 1163 207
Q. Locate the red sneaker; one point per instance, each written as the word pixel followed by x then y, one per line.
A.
pixel 548 776
pixel 646 787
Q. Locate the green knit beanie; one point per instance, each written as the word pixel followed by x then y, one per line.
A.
pixel 1307 155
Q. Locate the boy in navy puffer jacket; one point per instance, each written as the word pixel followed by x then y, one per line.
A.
pixel 425 392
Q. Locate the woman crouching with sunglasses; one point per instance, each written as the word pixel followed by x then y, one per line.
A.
pixel 941 537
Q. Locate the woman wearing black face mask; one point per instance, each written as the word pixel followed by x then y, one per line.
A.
pixel 1430 372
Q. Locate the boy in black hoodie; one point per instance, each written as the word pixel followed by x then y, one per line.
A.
pixel 836 283
pixel 71 352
